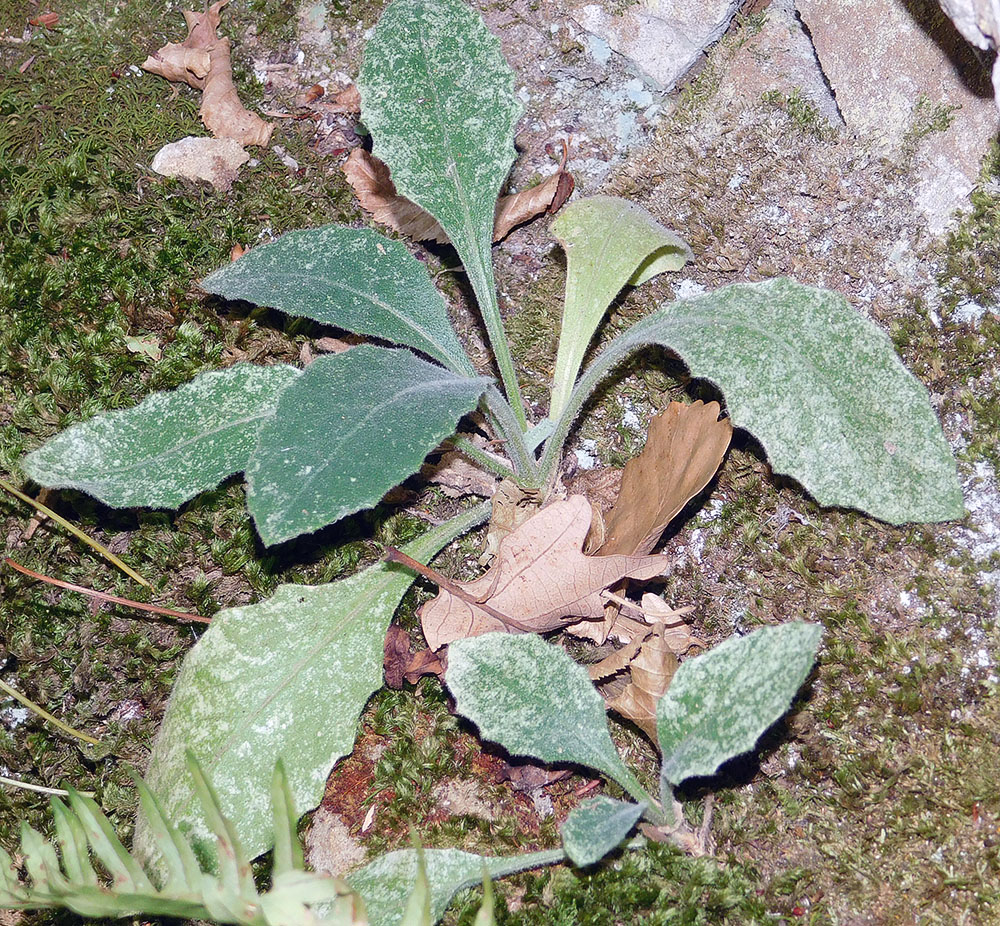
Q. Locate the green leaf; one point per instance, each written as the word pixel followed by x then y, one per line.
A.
pixel 608 242
pixel 596 827
pixel 386 884
pixel 169 447
pixel 534 700
pixel 284 680
pixel 349 429
pixel 818 384
pixel 353 278
pixel 437 97
pixel 720 703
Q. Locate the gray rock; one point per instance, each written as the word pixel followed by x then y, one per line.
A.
pixel 905 79
pixel 979 22
pixel 779 57
pixel 663 39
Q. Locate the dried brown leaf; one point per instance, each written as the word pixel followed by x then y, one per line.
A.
pixel 518 208
pixel 377 195
pixel 396 656
pixel 683 452
pixel 221 110
pixel 457 477
pixel 651 671
pixel 540 579
pixel 347 100
pixel 425 662
pixel 512 506
pixel 204 61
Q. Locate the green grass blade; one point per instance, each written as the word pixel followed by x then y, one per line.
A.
pixel 124 870
pixel 287 848
pixel 72 841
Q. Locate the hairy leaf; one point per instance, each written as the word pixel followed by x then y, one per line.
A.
pixel 608 242
pixel 281 680
pixel 594 828
pixel 171 446
pixel 386 883
pixel 353 278
pixel 819 385
pixel 349 429
pixel 720 703
pixel 437 96
pixel 534 700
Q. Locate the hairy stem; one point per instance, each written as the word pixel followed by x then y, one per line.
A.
pixel 486 460
pixel 480 274
pixel 507 424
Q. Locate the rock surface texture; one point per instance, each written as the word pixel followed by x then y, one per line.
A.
pixel 664 38
pixel 900 70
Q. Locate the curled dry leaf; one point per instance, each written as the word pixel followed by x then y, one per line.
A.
pixel 683 451
pixel 512 506
pixel 540 579
pixel 377 195
pixel 651 671
pixel 457 477
pixel 204 61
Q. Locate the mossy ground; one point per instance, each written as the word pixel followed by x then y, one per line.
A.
pixel 875 802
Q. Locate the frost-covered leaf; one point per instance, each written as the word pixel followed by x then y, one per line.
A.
pixel 608 242
pixel 534 700
pixel 170 446
pixel 720 703
pixel 281 680
pixel 822 389
pixel 353 278
pixel 437 96
pixel 594 828
pixel 386 884
pixel 349 429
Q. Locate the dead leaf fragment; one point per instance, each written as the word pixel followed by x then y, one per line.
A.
pixel 204 61
pixel 540 579
pixel 347 100
pixel 683 451
pixel 377 195
pixel 458 477
pixel 396 656
pixel 651 671
pixel 216 160
pixel 512 506
pixel 48 20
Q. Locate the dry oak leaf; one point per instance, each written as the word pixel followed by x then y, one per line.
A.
pixel 204 62
pixel 540 579
pixel 683 451
pixel 377 195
